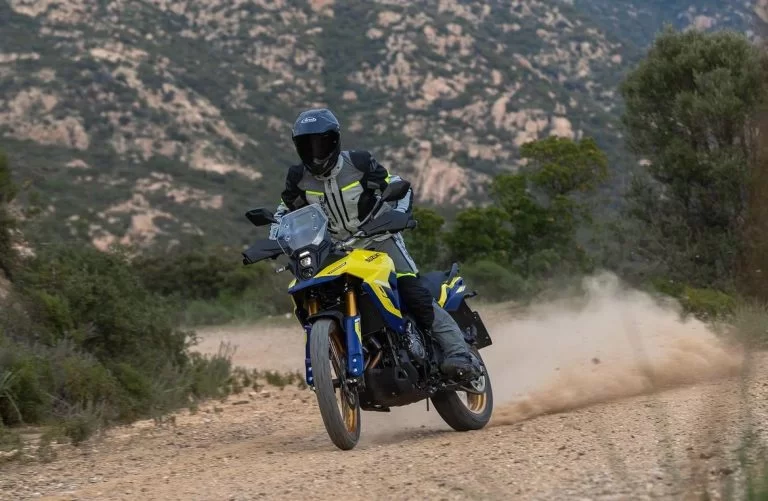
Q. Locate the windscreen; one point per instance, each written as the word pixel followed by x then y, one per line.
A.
pixel 302 227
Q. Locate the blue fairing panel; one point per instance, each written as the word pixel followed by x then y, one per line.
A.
pixel 310 283
pixel 391 320
pixel 456 295
pixel 393 294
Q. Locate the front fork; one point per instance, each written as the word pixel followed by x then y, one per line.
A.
pixel 312 308
pixel 352 335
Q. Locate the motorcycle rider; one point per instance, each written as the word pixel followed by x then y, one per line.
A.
pixel 346 185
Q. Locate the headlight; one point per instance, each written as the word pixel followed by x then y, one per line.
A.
pixel 305 261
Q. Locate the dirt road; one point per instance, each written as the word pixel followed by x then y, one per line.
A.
pixel 610 399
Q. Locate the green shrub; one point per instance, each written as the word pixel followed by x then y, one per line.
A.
pixel 211 286
pixel 24 381
pixel 668 286
pixel 137 391
pixel 704 303
pixel 81 380
pixel 83 343
pixel 707 303
pixel 44 383
pixel 494 282
pixel 82 422
pixel 211 373
pixel 197 274
pixel 96 300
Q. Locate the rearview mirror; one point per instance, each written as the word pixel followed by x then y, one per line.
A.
pixel 260 217
pixel 395 190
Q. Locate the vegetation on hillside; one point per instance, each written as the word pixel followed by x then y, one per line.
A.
pixel 7 222
pixel 179 111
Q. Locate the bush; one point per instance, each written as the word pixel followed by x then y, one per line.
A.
pixel 211 285
pixel 250 306
pixel 196 274
pixel 494 282
pixel 211 374
pixel 96 300
pixel 83 343
pixel 706 304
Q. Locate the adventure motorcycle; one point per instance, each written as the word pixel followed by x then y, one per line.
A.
pixel 348 303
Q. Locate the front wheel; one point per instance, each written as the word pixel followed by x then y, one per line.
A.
pixel 470 411
pixel 342 417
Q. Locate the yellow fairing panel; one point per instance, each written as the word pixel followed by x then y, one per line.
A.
pixel 374 268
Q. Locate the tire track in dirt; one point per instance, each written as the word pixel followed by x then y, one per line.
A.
pixel 616 357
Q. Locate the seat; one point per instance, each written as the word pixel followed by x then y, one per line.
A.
pixel 434 280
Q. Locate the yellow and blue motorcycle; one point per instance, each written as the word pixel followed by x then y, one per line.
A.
pixel 358 355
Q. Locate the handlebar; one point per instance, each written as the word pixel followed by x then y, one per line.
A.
pixel 348 243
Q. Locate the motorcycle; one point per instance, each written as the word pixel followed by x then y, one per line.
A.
pixel 355 324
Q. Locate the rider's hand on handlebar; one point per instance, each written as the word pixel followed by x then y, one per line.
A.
pixel 346 244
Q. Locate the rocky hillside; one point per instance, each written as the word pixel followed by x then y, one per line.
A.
pixel 154 120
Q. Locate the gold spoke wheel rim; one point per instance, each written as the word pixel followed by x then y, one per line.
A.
pixel 475 402
pixel 349 412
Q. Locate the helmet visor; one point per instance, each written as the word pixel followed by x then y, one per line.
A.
pixel 316 148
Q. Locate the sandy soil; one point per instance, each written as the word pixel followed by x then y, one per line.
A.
pixel 613 398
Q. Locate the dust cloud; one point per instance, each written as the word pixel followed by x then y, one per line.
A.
pixel 613 343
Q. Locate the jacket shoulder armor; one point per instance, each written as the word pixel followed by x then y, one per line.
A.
pixel 362 160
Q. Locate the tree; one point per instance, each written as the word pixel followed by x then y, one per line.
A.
pixel 541 200
pixel 480 233
pixel 424 241
pixel 754 268
pixel 7 222
pixel 559 166
pixel 689 113
pixel 532 225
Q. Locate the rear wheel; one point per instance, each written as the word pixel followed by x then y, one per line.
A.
pixel 340 410
pixel 467 410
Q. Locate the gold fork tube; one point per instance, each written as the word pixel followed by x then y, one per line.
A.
pixel 312 306
pixel 351 303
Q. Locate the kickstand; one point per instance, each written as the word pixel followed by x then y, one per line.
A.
pixel 427 405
